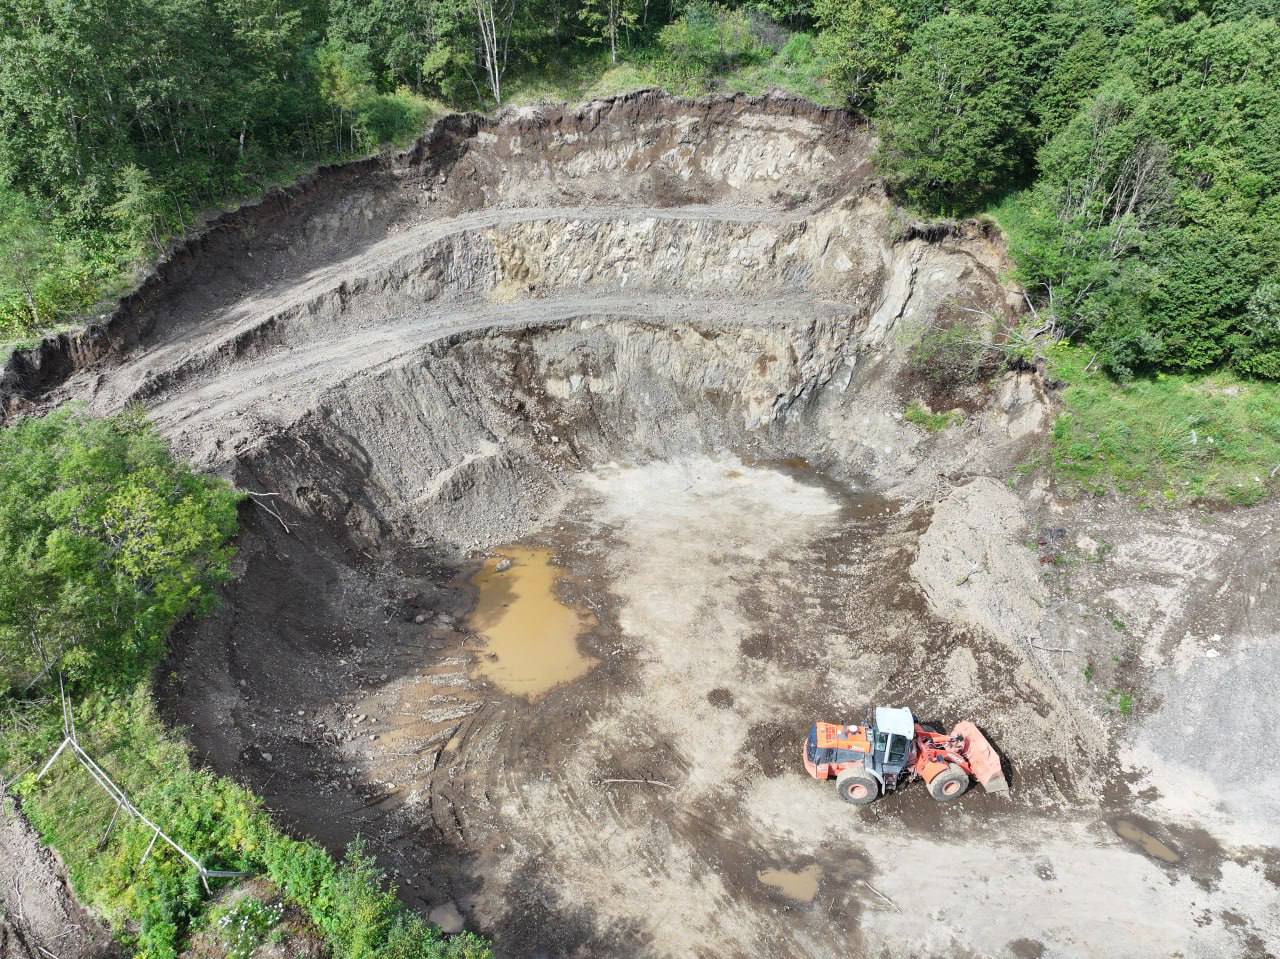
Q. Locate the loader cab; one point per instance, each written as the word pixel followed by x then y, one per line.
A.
pixel 895 731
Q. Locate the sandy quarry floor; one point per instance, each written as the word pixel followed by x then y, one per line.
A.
pixel 727 605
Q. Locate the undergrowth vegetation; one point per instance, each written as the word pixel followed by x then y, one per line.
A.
pixel 105 543
pixel 1171 438
pixel 920 415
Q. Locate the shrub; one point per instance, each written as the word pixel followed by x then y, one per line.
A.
pixel 706 39
pixel 863 41
pixel 946 355
pixel 42 276
pixel 105 543
pixel 1256 347
pixel 155 904
pixel 390 118
pixel 800 50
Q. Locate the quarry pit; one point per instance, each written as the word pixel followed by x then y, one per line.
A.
pixel 627 381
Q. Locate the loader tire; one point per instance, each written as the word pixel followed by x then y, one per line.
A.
pixel 950 784
pixel 857 787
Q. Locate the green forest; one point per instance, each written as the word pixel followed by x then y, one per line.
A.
pixel 1130 151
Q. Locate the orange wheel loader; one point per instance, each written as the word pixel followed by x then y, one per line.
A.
pixel 892 749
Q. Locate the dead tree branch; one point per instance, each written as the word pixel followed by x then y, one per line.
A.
pixel 880 894
pixel 267 507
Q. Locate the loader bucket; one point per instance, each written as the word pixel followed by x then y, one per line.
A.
pixel 982 757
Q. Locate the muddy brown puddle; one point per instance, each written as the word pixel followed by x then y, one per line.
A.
pixel 799 885
pixel 1134 834
pixel 530 635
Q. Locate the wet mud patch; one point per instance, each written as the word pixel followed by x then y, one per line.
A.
pixel 530 633
pixel 1140 838
pixel 799 885
pixel 775 747
pixel 1189 850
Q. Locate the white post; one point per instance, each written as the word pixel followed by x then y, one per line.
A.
pixel 52 759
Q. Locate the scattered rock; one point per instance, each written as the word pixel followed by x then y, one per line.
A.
pixel 504 564
pixel 447 918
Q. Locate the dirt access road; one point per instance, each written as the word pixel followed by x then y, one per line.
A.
pixel 655 352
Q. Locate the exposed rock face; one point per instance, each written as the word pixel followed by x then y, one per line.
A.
pixel 641 276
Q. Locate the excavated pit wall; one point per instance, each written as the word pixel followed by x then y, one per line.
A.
pixel 471 441
pixel 641 277
pixel 642 148
pixel 426 351
pixel 446 349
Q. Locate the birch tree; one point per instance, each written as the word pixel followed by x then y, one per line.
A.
pixel 494 19
pixel 607 17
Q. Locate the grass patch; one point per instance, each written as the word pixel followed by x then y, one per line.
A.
pixel 153 906
pixel 922 416
pixel 579 74
pixel 1171 439
pixel 1123 701
pixel 797 68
